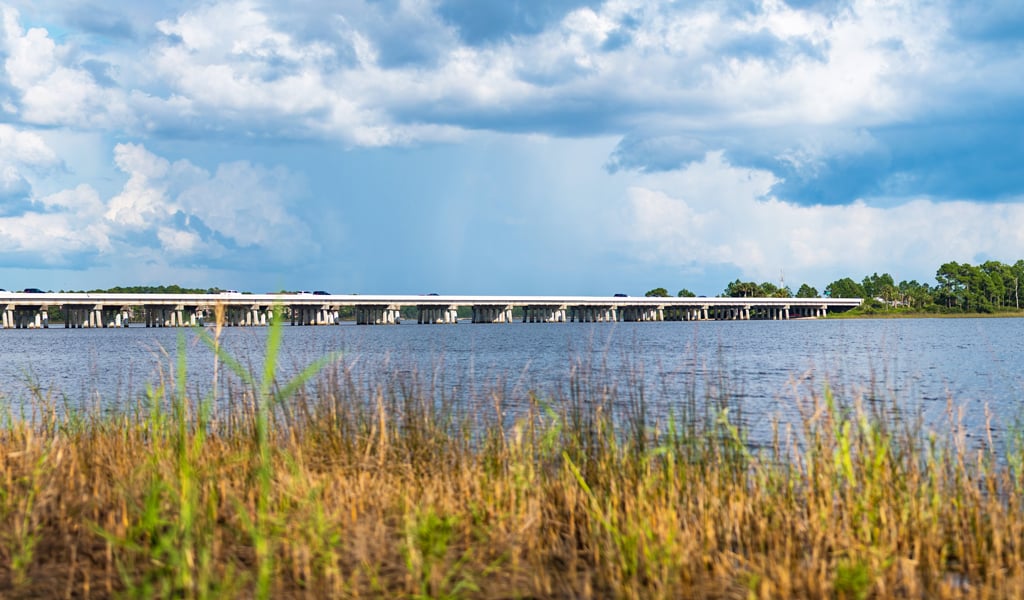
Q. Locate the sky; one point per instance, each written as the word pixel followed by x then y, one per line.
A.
pixel 521 147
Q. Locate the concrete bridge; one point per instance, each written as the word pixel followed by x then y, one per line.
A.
pixel 31 310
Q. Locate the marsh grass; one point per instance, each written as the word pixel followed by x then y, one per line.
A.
pixel 328 485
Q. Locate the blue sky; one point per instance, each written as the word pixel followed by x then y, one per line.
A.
pixel 521 147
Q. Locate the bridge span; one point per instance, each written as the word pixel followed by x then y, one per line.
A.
pixel 79 310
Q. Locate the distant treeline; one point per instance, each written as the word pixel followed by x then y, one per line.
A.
pixel 153 289
pixel 56 313
pixel 959 287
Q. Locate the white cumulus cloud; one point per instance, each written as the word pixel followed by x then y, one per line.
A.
pixel 165 211
pixel 52 89
pixel 712 212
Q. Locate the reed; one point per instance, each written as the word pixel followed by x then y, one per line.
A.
pixel 330 485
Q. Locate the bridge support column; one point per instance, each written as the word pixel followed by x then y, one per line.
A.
pixel 378 314
pixel 431 314
pixel 593 314
pixel 485 313
pixel 537 313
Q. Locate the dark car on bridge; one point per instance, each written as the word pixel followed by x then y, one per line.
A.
pixel 32 291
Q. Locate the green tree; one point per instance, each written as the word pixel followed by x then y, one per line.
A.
pixel 742 289
pixel 875 284
pixel 987 287
pixel 844 288
pixel 915 295
pixel 685 293
pixel 657 293
pixel 999 282
pixel 806 291
pixel 1017 272
pixel 156 289
pixel 950 285
pixel 965 287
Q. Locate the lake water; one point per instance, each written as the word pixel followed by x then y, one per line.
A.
pixel 920 364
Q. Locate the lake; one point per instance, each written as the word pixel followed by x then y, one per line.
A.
pixel 920 365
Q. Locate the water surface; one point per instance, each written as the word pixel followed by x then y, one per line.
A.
pixel 921 365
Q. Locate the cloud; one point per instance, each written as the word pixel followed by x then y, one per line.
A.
pixel 50 89
pixel 23 155
pixel 165 213
pixel 143 201
pixel 247 205
pixel 839 100
pixel 100 20
pixel 713 212
pixel 231 63
pixel 179 242
pixel 240 206
pixel 68 229
pixel 490 22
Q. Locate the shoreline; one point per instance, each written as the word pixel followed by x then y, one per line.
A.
pixel 925 315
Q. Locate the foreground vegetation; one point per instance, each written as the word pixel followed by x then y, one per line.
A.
pixel 330 486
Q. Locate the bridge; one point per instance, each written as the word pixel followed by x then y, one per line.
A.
pixel 22 310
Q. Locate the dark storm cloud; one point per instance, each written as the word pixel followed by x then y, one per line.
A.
pixel 944 160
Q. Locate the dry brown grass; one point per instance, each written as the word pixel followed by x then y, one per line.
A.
pixel 377 491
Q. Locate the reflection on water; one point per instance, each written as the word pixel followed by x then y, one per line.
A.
pixel 917 364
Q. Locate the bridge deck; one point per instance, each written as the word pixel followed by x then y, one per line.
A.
pixel 21 310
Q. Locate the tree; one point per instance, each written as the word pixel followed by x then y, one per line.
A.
pixel 806 291
pixel 915 295
pixel 951 287
pixel 685 293
pixel 657 293
pixel 155 289
pixel 890 294
pixel 844 288
pixel 874 284
pixel 767 290
pixel 1017 272
pixel 742 289
pixel 1000 282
